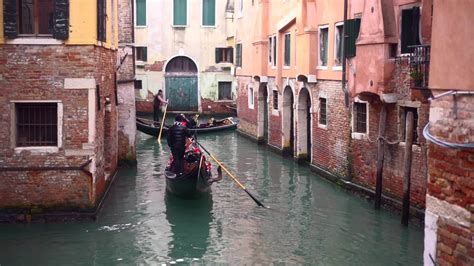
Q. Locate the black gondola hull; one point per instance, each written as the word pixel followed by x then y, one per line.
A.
pixel 153 128
pixel 188 185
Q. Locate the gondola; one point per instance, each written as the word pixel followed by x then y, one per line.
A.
pixel 152 128
pixel 197 177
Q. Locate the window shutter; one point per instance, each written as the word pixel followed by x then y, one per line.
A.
pixel 209 13
pixel 218 55
pixel 10 19
pixel 101 22
pixel 352 28
pixel 231 52
pixel 61 19
pixel 415 27
pixel 287 49
pixel 179 12
pixel 145 54
pixel 141 12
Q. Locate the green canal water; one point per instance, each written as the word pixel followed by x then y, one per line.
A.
pixel 310 221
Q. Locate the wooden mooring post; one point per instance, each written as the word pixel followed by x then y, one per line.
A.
pixel 407 168
pixel 380 156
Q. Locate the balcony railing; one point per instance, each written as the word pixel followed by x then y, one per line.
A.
pixel 420 65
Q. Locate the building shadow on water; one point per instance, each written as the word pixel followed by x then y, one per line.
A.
pixel 190 221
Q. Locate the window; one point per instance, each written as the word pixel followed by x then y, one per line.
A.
pixel 410 29
pixel 338 45
pixel 180 13
pixel 360 117
pixel 141 54
pixel 225 90
pixel 323 46
pixel 250 97
pixel 224 55
pixel 352 32
pixel 287 49
pixel 140 13
pixel 275 100
pixel 102 20
pixel 272 50
pixel 241 7
pixel 36 124
pixel 36 17
pixel 238 55
pixel 209 12
pixel 403 117
pixel 322 111
pixel 137 84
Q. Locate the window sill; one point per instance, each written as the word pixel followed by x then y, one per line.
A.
pixel 141 27
pixel 321 126
pixel 322 67
pixel 251 107
pixel 275 112
pixel 286 67
pixel 209 26
pixel 224 64
pixel 140 63
pixel 337 68
pixel 224 101
pixel 38 150
pixel 359 136
pixel 178 27
pixel 34 41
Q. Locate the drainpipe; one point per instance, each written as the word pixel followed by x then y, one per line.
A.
pixel 344 88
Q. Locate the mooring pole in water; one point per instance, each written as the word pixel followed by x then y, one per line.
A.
pixel 380 156
pixel 407 168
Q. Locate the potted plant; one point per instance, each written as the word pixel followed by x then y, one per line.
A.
pixel 416 77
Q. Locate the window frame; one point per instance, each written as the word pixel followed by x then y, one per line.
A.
pixel 35 20
pixel 185 16
pixel 338 66
pixel 59 127
pixel 404 8
pixel 136 15
pixel 238 55
pixel 250 97
pixel 218 91
pixel 137 53
pixel 320 65
pixel 320 125
pixel 360 135
pixel 202 15
pixel 402 112
pixel 285 66
pixel 240 14
pixel 227 54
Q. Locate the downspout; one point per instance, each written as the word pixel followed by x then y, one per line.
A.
pixel 344 87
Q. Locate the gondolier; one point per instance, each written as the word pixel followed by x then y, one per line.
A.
pixel 177 135
pixel 158 103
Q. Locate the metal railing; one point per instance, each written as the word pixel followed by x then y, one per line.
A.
pixel 419 61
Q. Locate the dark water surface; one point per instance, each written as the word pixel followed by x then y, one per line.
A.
pixel 310 221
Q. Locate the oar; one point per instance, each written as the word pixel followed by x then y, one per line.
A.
pixel 162 122
pixel 232 176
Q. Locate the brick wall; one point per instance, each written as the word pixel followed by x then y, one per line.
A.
pixel 331 143
pixel 364 152
pixel 247 116
pixel 126 23
pixel 451 181
pixel 37 73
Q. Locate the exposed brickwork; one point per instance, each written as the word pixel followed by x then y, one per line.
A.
pixel 37 73
pixel 216 107
pixel 331 143
pixel 156 66
pixel 364 152
pixel 247 116
pixel 455 244
pixel 125 18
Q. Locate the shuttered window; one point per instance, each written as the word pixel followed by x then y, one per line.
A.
pixel 323 46
pixel 36 18
pixel 338 46
pixel 224 55
pixel 287 55
pixel 140 12
pixel 101 20
pixel 410 29
pixel 352 33
pixel 238 54
pixel 209 12
pixel 180 13
pixel 141 54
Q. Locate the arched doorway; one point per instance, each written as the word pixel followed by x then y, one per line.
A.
pixel 181 82
pixel 287 123
pixel 262 124
pixel 304 125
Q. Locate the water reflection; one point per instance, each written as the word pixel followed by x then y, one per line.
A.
pixel 190 221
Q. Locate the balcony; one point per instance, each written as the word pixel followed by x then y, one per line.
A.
pixel 419 61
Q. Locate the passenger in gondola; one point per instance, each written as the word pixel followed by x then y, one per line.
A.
pixel 177 135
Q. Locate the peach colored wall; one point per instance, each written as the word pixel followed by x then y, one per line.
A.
pixel 452 49
pixel 301 18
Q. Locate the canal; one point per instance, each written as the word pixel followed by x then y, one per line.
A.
pixel 310 221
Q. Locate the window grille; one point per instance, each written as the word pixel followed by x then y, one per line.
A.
pixel 36 124
pixel 360 116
